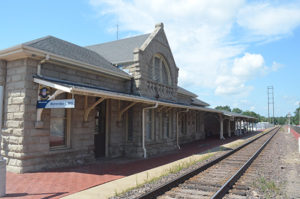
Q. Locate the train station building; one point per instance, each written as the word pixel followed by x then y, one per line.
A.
pixel 65 105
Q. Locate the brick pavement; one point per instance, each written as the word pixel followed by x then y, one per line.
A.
pixel 62 182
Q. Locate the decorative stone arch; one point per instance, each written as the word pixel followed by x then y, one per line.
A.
pixel 161 70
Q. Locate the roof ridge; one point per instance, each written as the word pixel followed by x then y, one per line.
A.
pixel 36 40
pixel 118 40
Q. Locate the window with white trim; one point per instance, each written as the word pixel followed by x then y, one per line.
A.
pixel 60 126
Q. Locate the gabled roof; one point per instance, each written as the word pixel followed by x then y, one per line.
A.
pixel 69 50
pixel 198 102
pixel 119 51
pixel 183 91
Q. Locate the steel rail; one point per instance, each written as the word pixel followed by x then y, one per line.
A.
pixel 227 185
pixel 175 182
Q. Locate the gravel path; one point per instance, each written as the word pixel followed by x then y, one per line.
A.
pixel 276 171
pixel 277 177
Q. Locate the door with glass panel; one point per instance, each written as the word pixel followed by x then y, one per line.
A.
pixel 100 120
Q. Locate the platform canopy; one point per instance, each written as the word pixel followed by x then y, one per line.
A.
pixel 89 90
pixel 237 115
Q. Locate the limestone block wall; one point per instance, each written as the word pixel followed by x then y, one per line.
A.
pixel 85 77
pixel 191 128
pixel 116 129
pixel 2 83
pixel 200 126
pixel 162 142
pixel 133 148
pixel 25 147
pixel 145 84
pixel 13 140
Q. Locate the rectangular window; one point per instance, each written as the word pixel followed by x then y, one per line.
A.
pixel 157 68
pixel 183 123
pixel 149 124
pixel 130 125
pixel 166 126
pixel 58 132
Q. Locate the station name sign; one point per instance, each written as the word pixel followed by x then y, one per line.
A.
pixel 64 103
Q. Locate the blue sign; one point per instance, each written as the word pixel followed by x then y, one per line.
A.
pixel 65 103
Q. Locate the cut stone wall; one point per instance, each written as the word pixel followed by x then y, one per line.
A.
pixel 144 82
pixel 25 147
pixel 13 138
pixel 84 77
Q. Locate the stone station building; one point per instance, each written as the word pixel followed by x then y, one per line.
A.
pixel 127 103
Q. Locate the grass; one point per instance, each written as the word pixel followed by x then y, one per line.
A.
pixel 267 187
pixel 177 168
pixel 174 169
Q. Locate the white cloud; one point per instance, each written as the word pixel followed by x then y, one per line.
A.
pixel 269 20
pixel 276 66
pixel 243 69
pixel 247 65
pixel 200 34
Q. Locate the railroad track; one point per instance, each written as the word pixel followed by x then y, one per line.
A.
pixel 216 178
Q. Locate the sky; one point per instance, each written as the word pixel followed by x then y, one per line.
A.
pixel 228 52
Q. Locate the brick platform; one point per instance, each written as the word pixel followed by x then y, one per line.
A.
pixel 62 182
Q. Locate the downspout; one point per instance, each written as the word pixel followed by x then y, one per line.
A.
pixel 39 67
pixel 143 127
pixel 177 129
pixel 38 123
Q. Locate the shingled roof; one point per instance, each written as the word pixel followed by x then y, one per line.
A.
pixel 119 51
pixel 69 50
pixel 185 92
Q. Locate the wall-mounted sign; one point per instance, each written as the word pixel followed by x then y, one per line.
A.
pixel 64 103
pixel 44 92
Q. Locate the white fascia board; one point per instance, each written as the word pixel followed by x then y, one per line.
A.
pixel 137 99
pixel 77 63
pixel 53 85
pixel 119 96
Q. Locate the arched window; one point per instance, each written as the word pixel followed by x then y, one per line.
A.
pixel 161 71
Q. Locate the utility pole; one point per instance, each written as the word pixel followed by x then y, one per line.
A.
pixel 271 102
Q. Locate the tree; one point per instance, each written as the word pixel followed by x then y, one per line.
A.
pixel 237 110
pixel 223 108
pixel 295 119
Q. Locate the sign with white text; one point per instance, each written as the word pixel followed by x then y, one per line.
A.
pixel 64 103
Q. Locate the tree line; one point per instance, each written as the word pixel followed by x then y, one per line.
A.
pixel 277 120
